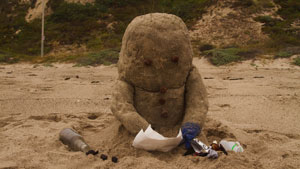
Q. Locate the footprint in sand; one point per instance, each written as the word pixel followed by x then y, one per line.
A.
pixel 93 116
pixel 50 118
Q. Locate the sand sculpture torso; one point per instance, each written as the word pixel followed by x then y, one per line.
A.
pixel 157 83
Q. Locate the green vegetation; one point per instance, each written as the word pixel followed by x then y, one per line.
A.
pixel 100 27
pixel 7 58
pixel 228 55
pixel 254 5
pixel 205 47
pixel 16 35
pixel 297 61
pixel 48 64
pixel 284 39
pixel 105 57
pixel 283 54
pixel 188 10
pixel 267 20
pixel 281 32
pixel 75 23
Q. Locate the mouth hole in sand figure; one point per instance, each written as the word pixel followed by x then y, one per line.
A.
pixel 164 114
pixel 92 116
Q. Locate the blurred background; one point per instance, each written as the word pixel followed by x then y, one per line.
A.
pixel 89 32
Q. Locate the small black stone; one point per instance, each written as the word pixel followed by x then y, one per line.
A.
pixel 114 159
pixel 103 157
pixel 92 152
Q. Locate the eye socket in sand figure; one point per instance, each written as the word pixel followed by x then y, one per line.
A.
pixel 157 83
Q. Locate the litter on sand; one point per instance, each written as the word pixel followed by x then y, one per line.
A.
pixel 198 148
pixel 74 140
pixel 203 150
pixel 232 146
pixel 151 140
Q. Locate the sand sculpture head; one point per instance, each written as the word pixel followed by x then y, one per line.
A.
pixel 156 52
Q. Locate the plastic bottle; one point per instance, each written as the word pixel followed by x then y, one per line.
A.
pixel 73 140
pixel 232 146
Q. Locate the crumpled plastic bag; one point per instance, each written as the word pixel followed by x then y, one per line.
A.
pixel 150 140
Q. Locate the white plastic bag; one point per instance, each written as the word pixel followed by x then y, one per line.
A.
pixel 151 140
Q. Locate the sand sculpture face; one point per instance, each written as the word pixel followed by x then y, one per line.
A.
pixel 156 53
pixel 157 83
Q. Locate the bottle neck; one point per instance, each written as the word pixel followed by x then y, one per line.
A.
pixel 85 148
pixel 81 145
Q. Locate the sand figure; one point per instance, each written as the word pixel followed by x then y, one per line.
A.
pixel 157 83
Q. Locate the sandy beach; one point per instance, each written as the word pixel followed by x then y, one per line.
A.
pixel 254 102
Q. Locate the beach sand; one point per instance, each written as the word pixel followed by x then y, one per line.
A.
pixel 254 102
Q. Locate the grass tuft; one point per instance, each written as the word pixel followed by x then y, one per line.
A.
pixel 266 19
pixel 8 58
pixel 205 47
pixel 105 57
pixel 297 61
pixel 281 33
pixel 283 54
pixel 228 55
pixel 254 5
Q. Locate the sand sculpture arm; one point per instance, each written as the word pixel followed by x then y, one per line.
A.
pixel 123 109
pixel 195 99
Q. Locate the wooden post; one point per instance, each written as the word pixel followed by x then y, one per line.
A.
pixel 43 22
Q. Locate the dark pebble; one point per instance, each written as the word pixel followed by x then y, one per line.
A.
pixel 92 152
pixel 103 157
pixel 114 159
